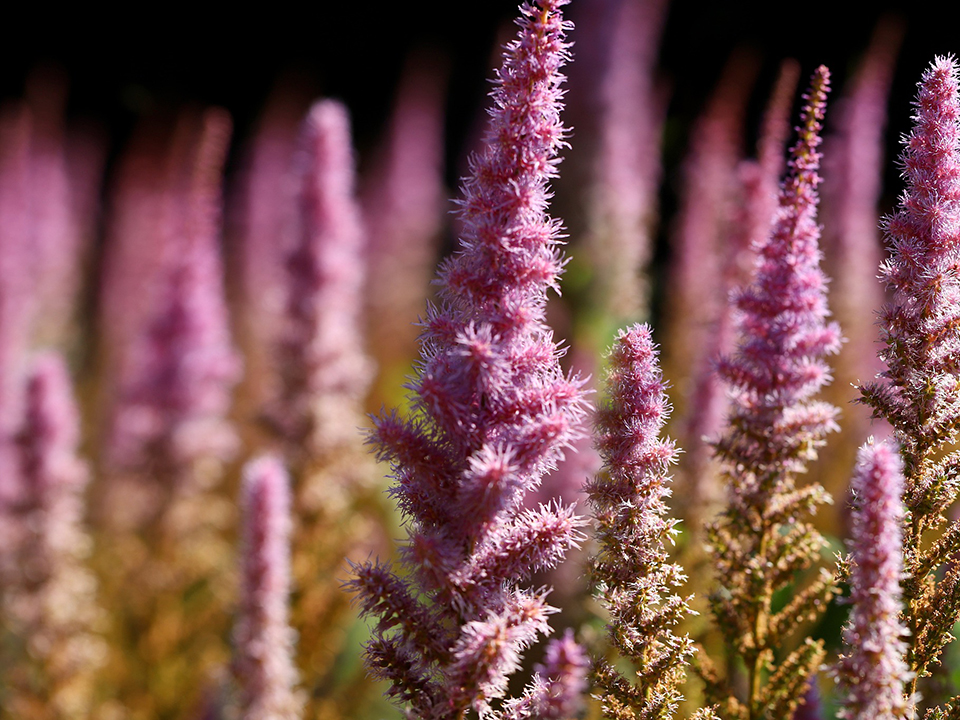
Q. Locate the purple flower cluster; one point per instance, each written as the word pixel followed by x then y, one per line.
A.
pixel 918 392
pixel 493 411
pixel 874 670
pixel 322 369
pixel 637 583
pixel 262 636
pixel 778 365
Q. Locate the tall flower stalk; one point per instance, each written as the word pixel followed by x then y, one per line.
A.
pixel 493 411
pixel 263 638
pixel 873 671
pixel 637 584
pixel 51 605
pixel 764 539
pixel 919 391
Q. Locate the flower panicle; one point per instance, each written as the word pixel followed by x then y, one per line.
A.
pixel 918 392
pixel 323 369
pixel 492 412
pixel 637 584
pixel 873 672
pixel 765 537
pixel 263 639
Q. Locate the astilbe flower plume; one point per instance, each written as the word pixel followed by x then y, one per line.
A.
pixel 263 639
pixel 762 541
pixel 51 606
pixel 161 551
pixel 493 411
pixel 558 685
pixel 873 672
pixel 321 375
pixel 919 392
pixel 403 212
pixel 322 369
pixel 636 581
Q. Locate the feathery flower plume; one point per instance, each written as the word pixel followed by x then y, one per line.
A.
pixel 171 409
pixel 65 169
pixel 161 561
pixel 320 376
pixel 637 584
pixel 558 686
pixel 403 212
pixel 322 369
pixel 919 392
pixel 493 413
pixel 702 226
pixel 263 222
pixel 873 672
pixel 16 298
pixel 627 169
pixel 262 637
pixel 700 249
pixel 853 183
pixel 761 542
pixel 51 604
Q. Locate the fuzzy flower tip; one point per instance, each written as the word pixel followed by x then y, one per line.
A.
pixel 558 686
pixel 779 364
pixel 493 412
pixel 323 371
pixel 873 672
pixel 637 583
pixel 51 601
pixel 919 393
pixel 263 640
pixel 174 397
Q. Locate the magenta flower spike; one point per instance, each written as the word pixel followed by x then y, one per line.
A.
pixel 51 603
pixel 918 393
pixel 637 583
pixel 778 365
pixel 558 686
pixel 764 538
pixel 176 384
pixel 493 413
pixel 853 174
pixel 64 174
pixel 702 225
pixel 627 169
pixel 264 221
pixel 262 637
pixel 403 212
pixel 16 298
pixel 872 672
pixel 752 222
pixel 323 371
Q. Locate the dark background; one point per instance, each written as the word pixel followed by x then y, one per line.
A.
pixel 119 67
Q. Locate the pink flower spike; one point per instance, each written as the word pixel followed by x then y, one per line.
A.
pixel 779 364
pixel 322 368
pixel 493 412
pixel 627 169
pixel 175 386
pixel 872 672
pixel 636 582
pixel 918 392
pixel 263 639
pixel 403 212
pixel 51 601
pixel 853 175
pixel 558 685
